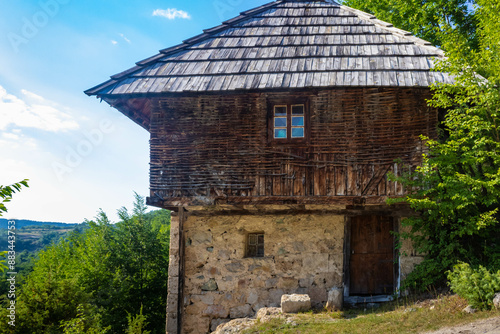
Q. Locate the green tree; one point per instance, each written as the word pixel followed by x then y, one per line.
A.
pixel 424 18
pixel 100 278
pixel 458 194
pixel 6 193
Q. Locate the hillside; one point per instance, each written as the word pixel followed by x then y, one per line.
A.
pixel 34 235
pixel 25 222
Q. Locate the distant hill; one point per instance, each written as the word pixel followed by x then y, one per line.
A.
pixel 31 235
pixel 24 222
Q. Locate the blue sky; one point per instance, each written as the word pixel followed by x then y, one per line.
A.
pixel 79 154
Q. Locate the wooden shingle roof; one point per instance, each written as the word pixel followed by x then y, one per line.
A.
pixel 285 44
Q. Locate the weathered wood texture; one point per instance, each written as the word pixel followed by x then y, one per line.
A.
pixel 372 256
pixel 285 45
pixel 215 148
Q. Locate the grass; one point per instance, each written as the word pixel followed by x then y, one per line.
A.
pixel 396 317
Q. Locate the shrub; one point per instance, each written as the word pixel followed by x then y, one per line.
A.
pixel 477 286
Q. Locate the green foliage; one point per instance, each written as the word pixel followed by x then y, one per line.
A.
pixel 51 292
pixel 3 260
pixel 426 19
pixel 6 193
pixel 91 280
pixel 137 324
pixel 84 323
pixel 477 286
pixel 457 189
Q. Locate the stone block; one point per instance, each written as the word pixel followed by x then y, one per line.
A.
pixel 253 297
pixel 242 311
pixel 206 298
pixel 173 268
pixel 235 326
pixel 315 263
pixel 201 237
pixel 318 295
pixel 295 303
pixel 210 285
pixel 172 303
pixel 267 313
pixel 235 267
pixel 288 283
pixel 216 311
pixel 195 324
pixel 469 309
pixel 305 282
pixel 224 255
pixel 335 299
pixel 496 301
pixel 172 324
pixel 272 283
pixel 216 323
pixel 173 284
pixel 336 263
pixel 275 296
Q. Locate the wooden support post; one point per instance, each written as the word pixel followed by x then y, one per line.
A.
pixel 174 298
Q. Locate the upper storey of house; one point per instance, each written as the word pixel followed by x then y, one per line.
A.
pixel 280 46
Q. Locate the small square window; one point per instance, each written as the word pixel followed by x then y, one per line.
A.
pixel 255 245
pixel 289 122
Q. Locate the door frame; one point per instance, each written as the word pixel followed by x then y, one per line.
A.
pixel 347 257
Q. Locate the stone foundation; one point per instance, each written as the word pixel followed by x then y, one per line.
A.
pixel 302 254
pixel 216 282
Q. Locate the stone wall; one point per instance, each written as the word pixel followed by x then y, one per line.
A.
pixel 303 254
pixel 408 258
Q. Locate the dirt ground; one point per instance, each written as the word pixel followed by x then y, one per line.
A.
pixel 487 326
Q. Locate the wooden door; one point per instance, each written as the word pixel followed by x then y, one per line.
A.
pixel 371 264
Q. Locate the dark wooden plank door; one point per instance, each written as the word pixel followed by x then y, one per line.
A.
pixel 371 265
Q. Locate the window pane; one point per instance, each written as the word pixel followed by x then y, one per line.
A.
pixel 298 121
pixel 280 122
pixel 252 251
pixel 298 110
pixel 280 111
pixel 252 239
pixel 260 251
pixel 279 133
pixel 261 239
pixel 297 132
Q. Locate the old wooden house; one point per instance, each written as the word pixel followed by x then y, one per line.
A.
pixel 272 138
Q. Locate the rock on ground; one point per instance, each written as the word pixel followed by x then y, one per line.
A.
pixel 235 326
pixel 295 303
pixel 496 301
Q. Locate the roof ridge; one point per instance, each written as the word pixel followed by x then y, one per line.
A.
pixel 245 20
pixel 393 30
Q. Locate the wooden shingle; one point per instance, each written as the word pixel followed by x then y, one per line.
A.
pixel 281 45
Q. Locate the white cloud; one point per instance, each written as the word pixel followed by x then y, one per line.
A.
pixel 125 39
pixel 33 111
pixel 114 42
pixel 171 13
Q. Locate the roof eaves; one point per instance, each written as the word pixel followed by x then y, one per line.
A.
pixel 96 89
